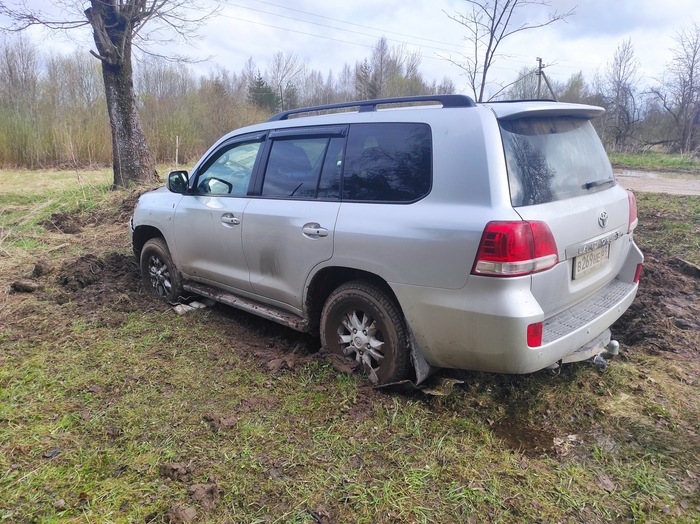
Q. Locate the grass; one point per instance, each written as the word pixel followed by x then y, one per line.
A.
pixel 651 161
pixel 670 225
pixel 97 396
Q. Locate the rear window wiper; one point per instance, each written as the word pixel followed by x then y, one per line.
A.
pixel 598 183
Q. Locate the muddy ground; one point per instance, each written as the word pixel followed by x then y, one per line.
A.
pixel 103 287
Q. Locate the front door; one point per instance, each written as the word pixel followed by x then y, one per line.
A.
pixel 208 223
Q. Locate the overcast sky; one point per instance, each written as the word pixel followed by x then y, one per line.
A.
pixel 328 33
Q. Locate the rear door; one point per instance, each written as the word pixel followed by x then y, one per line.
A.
pixel 289 226
pixel 559 174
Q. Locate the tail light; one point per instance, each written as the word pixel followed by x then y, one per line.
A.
pixel 511 249
pixel 534 334
pixel 633 212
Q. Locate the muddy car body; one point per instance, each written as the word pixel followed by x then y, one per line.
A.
pixel 490 237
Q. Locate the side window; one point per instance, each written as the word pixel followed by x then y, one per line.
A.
pixel 329 185
pixel 388 162
pixel 295 166
pixel 229 171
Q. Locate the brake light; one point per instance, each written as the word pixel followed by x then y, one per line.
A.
pixel 534 335
pixel 633 212
pixel 510 249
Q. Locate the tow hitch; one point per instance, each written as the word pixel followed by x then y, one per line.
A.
pixel 600 362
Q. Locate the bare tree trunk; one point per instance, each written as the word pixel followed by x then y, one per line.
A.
pixel 113 32
pixel 131 157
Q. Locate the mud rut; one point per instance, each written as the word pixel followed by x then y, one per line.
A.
pixel 104 289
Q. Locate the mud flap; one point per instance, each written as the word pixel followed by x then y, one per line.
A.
pixel 439 386
pixel 435 386
pixel 423 369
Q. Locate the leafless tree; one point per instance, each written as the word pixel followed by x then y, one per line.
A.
pixel 621 92
pixel 118 26
pixel 575 90
pixel 488 24
pixel 379 64
pixel 445 87
pixel 345 86
pixel 282 70
pixel 19 83
pixel 679 89
pixel 525 86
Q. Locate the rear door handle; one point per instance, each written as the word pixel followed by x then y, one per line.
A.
pixel 228 218
pixel 314 231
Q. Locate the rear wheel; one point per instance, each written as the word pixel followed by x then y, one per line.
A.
pixel 361 323
pixel 158 271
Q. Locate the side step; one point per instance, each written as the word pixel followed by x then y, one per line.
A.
pixel 276 315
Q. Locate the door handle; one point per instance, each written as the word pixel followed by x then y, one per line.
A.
pixel 314 230
pixel 228 218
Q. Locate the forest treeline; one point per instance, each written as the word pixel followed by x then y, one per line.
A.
pixel 53 111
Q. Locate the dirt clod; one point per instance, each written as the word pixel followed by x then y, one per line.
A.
pixel 181 514
pixel 41 268
pixel 51 453
pixel 175 471
pixel 321 516
pixel 25 286
pixel 66 223
pixel 219 422
pixel 340 363
pixel 208 495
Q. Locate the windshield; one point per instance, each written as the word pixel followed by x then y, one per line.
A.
pixel 551 159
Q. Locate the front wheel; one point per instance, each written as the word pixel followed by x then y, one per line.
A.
pixel 158 271
pixel 361 323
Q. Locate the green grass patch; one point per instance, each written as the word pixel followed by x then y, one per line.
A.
pixel 651 161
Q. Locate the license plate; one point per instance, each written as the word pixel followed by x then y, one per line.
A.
pixel 589 262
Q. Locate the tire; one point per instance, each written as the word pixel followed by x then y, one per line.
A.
pixel 360 322
pixel 159 275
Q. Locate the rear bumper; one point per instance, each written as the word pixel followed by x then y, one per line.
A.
pixel 483 327
pixel 579 329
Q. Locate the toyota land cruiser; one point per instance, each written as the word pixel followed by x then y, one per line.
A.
pixel 408 233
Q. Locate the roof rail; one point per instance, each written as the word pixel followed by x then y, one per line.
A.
pixel 371 105
pixel 516 100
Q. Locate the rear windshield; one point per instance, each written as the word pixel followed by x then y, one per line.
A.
pixel 551 159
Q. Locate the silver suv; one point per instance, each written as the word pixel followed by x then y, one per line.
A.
pixel 410 234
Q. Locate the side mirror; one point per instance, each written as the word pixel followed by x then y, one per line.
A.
pixel 177 181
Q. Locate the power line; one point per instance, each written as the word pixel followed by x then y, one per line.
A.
pixel 512 58
pixel 294 31
pixel 356 25
pixel 335 28
pixel 313 35
pixel 525 59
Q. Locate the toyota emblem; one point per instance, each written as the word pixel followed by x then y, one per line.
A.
pixel 603 219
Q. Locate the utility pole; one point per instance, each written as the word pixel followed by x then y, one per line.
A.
pixel 540 76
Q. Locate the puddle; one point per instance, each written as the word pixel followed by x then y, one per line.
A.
pixel 527 440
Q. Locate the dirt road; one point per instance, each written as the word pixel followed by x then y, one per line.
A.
pixel 649 184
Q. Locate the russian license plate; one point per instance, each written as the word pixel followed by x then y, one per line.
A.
pixel 589 262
